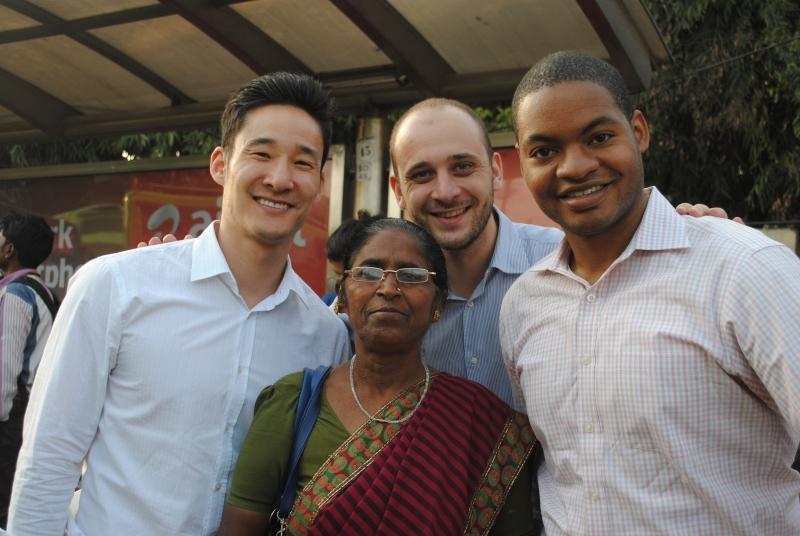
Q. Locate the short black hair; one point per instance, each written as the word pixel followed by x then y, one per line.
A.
pixel 572 66
pixel 341 240
pixel 433 103
pixel 31 235
pixel 427 244
pixel 300 90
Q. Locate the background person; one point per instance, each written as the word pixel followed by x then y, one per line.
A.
pixel 397 448
pixel 339 243
pixel 26 314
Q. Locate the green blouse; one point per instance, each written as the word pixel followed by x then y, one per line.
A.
pixel 261 467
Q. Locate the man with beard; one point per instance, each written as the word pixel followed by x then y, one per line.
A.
pixel 444 176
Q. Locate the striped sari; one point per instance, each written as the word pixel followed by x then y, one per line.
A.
pixel 447 470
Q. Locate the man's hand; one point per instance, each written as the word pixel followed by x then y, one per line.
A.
pixel 154 241
pixel 687 209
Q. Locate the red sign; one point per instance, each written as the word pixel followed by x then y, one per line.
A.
pixel 97 214
pixel 513 197
pixel 187 201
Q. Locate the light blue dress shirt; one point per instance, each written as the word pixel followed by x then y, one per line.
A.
pixel 150 374
pixel 465 341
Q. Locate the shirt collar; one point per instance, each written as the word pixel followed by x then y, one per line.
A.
pixel 207 257
pixel 209 261
pixel 661 228
pixel 291 282
pixel 505 257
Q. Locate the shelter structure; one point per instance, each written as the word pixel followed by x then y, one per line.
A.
pixel 83 68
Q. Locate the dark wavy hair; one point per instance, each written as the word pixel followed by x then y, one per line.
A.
pixel 433 254
pixel 300 90
pixel 31 235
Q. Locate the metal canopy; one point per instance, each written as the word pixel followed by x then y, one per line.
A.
pixel 71 68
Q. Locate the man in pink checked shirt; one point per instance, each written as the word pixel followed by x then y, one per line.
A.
pixel 657 356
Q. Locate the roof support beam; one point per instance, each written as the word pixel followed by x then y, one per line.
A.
pixel 84 24
pixel 238 35
pixel 626 48
pixel 32 104
pixel 175 95
pixel 398 39
pixel 468 87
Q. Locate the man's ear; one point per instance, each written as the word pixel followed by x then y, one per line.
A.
pixel 321 189
pixel 394 184
pixel 217 166
pixel 497 171
pixel 640 130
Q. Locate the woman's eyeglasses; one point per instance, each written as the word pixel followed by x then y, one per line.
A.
pixel 373 274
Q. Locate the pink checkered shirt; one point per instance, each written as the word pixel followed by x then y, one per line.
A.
pixel 666 395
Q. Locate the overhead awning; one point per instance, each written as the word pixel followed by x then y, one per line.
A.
pixel 71 68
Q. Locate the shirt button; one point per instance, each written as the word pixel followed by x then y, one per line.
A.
pixel 470 304
pixel 596 496
pixel 474 360
pixel 588 428
pixel 228 427
pixel 590 298
pixel 217 486
pixel 586 360
pixel 241 370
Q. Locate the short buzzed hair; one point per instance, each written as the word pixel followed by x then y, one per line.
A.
pixel 562 67
pixel 439 102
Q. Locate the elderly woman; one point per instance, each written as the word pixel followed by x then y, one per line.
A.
pixel 397 448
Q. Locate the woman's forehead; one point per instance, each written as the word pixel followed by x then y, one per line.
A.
pixel 389 245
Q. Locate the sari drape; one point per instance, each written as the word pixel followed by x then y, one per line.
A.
pixel 447 470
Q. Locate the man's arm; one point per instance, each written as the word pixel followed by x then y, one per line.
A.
pixel 508 330
pixel 66 401
pixel 16 316
pixel 760 314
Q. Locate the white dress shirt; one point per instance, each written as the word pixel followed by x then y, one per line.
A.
pixel 150 375
pixel 667 394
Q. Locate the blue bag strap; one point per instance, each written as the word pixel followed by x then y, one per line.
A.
pixel 304 419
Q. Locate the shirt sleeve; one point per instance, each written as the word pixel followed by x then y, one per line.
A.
pixel 261 466
pixel 759 318
pixel 67 400
pixel 507 330
pixel 16 316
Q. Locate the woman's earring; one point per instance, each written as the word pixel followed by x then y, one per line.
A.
pixel 337 308
pixel 436 315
